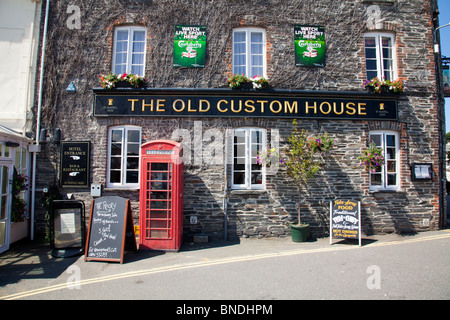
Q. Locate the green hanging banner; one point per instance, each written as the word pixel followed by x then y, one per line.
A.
pixel 189 48
pixel 309 46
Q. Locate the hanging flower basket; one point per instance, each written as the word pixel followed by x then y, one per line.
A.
pixel 372 158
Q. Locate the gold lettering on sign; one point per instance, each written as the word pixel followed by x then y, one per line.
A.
pixel 147 105
pixel 200 107
pixel 132 103
pixel 219 103
pixel 307 107
pixel 174 105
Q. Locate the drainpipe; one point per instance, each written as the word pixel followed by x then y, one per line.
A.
pixel 225 191
pixel 38 123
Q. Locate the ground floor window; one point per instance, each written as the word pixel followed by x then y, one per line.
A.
pixel 387 177
pixel 123 156
pixel 246 172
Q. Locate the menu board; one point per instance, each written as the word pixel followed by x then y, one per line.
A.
pixel 109 223
pixel 345 220
pixel 68 224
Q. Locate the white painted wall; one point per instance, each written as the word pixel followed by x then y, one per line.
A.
pixel 19 34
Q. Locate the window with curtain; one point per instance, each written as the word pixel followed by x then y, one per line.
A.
pixel 387 177
pixel 379 53
pixel 123 156
pixel 246 172
pixel 249 52
pixel 129 50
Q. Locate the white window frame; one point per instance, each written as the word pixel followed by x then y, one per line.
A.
pixel 123 157
pixel 248 55
pixel 249 158
pixel 384 170
pixel 379 54
pixel 129 63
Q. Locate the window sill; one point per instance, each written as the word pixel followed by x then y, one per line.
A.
pixel 243 191
pixel 384 191
pixel 121 189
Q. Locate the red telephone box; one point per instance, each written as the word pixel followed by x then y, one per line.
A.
pixel 161 196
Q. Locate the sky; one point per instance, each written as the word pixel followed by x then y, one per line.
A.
pixel 444 18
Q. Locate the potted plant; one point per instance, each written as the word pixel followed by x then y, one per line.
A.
pixel 19 184
pixel 302 163
pixel 112 80
pixel 239 81
pixel 372 158
pixel 396 86
pixel 376 85
pixel 259 83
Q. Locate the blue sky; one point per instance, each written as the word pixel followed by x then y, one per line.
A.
pixel 444 18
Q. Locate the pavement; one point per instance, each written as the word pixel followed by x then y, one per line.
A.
pixel 29 271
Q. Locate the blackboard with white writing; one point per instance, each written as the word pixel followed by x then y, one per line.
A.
pixel 108 229
pixel 345 220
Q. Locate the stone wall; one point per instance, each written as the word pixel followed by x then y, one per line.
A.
pixel 80 55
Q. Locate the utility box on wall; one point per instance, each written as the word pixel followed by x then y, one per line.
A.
pixel 161 196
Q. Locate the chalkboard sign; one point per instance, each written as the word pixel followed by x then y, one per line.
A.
pixel 110 225
pixel 345 220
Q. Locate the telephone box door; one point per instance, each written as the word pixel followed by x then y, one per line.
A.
pixel 161 196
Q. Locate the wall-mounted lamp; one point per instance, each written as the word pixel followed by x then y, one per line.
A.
pixel 43 136
pixel 436 45
pixel 57 136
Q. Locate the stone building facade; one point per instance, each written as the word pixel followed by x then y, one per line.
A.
pixel 362 39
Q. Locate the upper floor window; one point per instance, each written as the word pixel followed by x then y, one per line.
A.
pixel 379 52
pixel 247 173
pixel 388 176
pixel 129 50
pixel 123 156
pixel 249 52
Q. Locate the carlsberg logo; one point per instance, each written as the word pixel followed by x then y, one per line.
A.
pixel 183 44
pixel 302 44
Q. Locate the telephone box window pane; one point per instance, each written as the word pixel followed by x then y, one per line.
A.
pixel 158 204
pixel 160 166
pixel 157 214
pixel 159 186
pixel 158 223
pixel 161 176
pixel 158 195
pixel 158 233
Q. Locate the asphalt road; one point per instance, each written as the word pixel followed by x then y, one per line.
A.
pixel 385 267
